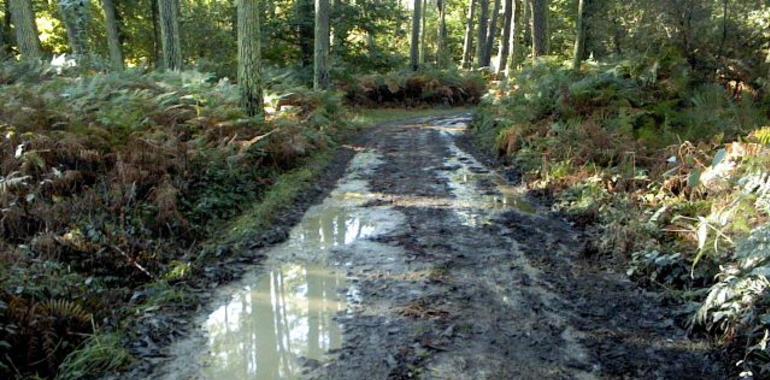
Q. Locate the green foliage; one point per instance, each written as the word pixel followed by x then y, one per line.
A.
pixel 108 181
pixel 635 151
pixel 99 355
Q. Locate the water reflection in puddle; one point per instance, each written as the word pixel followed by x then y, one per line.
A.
pixel 276 319
pixel 285 315
pixel 469 204
pixel 334 227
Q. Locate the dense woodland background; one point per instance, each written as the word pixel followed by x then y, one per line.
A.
pixel 135 131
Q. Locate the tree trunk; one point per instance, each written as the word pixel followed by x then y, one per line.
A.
pixel 75 14
pixel 5 32
pixel 304 13
pixel 491 34
pixel 415 44
pixel 514 49
pixel 23 18
pixel 540 35
pixel 526 26
pixel 249 57
pixel 481 38
pixel 468 43
pixel 371 43
pixel 442 53
pixel 509 33
pixel 168 12
pixel 113 35
pixel 341 28
pixel 156 61
pixel 580 36
pixel 423 29
pixel 321 45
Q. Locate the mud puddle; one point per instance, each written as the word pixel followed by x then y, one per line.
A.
pixel 270 325
pixel 480 193
pixel 283 316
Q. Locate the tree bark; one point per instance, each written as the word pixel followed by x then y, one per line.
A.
pixel 491 34
pixel 5 32
pixel 113 35
pixel 341 29
pixel 580 36
pixel 540 35
pixel 415 44
pixel 249 57
pixel 518 23
pixel 321 45
pixel 468 43
pixel 304 14
pixel 526 25
pixel 23 17
pixel 442 53
pixel 75 14
pixel 509 33
pixel 481 38
pixel 423 29
pixel 168 12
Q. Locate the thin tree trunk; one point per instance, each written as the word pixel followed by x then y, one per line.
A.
pixel 509 32
pixel 113 35
pixel 371 44
pixel 249 57
pixel 23 18
pixel 468 43
pixel 724 28
pixel 526 26
pixel 514 49
pixel 415 44
pixel 4 43
pixel 491 34
pixel 442 53
pixel 481 38
pixel 423 29
pixel 321 45
pixel 75 14
pixel 304 14
pixel 168 12
pixel 156 61
pixel 5 32
pixel 539 28
pixel 580 36
pixel 340 28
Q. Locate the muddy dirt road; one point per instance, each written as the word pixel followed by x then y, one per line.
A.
pixel 424 263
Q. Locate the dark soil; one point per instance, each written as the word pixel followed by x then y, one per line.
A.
pixel 510 298
pixel 463 291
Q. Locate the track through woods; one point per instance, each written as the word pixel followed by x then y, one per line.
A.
pixel 424 263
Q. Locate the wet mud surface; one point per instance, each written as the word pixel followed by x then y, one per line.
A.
pixel 424 262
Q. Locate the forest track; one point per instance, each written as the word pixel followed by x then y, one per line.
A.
pixel 443 270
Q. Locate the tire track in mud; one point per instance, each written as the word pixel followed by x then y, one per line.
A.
pixel 452 273
pixel 479 291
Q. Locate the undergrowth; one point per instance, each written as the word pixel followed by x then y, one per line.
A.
pixel 111 182
pixel 414 89
pixel 670 175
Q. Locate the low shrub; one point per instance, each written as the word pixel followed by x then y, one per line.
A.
pixel 415 88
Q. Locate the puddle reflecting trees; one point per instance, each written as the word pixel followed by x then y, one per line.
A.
pixel 284 316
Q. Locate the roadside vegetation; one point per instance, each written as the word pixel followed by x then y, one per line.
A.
pixel 666 167
pixel 143 142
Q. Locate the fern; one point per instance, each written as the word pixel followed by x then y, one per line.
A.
pixel 762 136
